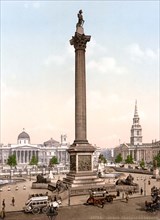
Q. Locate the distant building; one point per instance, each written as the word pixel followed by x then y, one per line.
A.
pixel 109 154
pixel 96 154
pixel 24 150
pixel 136 147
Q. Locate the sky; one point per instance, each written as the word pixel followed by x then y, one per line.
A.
pixel 37 70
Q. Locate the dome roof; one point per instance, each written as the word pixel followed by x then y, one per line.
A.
pixel 51 142
pixel 23 135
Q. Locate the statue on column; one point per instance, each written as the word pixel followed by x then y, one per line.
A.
pixel 80 19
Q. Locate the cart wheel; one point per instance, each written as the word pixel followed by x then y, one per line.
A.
pixel 45 209
pixel 26 210
pixel 36 210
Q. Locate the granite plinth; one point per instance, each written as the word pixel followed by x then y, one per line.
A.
pixel 86 179
pixel 39 185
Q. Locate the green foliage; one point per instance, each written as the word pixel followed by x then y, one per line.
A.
pixel 12 162
pixel 53 161
pixel 142 163
pixel 34 160
pixel 157 158
pixel 129 159
pixel 102 159
pixel 118 158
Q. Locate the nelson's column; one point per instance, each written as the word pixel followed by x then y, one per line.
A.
pixel 81 152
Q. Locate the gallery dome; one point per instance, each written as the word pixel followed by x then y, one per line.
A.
pixel 23 135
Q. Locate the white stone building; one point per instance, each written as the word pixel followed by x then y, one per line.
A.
pixel 24 150
pixel 136 147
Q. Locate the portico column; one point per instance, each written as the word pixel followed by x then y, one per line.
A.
pixel 16 156
pixel 27 156
pixel 20 156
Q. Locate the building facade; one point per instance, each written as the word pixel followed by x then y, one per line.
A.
pixel 139 150
pixel 24 150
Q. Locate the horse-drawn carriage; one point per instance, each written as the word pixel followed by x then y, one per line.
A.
pixel 99 198
pixel 154 205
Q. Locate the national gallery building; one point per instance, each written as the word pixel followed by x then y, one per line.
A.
pixel 24 150
pixel 139 150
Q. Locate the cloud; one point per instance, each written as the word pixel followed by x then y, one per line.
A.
pixel 60 59
pixel 95 49
pixel 138 54
pixel 106 65
pixel 54 59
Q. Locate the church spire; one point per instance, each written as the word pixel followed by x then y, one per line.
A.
pixel 136 130
pixel 135 110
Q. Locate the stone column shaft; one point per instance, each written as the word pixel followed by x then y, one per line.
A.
pixel 80 96
pixel 80 41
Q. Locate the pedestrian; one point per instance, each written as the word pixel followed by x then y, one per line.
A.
pixel 3 204
pixel 127 198
pixel 3 214
pixel 13 201
pixel 141 191
pixel 51 209
pixel 134 190
pixel 118 193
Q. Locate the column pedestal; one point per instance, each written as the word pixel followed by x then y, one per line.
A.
pixel 81 173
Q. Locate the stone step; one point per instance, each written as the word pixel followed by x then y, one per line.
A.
pixel 83 180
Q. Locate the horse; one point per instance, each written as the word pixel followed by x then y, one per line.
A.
pixel 98 201
pixel 109 198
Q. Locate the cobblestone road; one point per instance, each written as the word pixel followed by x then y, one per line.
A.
pixel 119 210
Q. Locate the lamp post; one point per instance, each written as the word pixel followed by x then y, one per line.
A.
pixel 69 195
pixel 0 196
pixel 144 186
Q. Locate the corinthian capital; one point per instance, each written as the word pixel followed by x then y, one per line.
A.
pixel 79 41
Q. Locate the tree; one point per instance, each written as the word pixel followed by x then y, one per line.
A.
pixel 157 158
pixel 118 158
pixel 53 161
pixel 102 159
pixel 11 161
pixel 142 163
pixel 129 159
pixel 34 160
